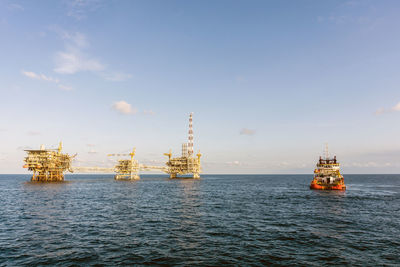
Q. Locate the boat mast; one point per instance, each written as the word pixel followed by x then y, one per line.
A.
pixel 326 152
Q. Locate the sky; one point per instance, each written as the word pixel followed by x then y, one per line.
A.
pixel 268 82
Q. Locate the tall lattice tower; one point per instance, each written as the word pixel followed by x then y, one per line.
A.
pixel 190 143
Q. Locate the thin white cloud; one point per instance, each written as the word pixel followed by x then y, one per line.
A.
pixel 149 112
pixel 124 107
pixel 246 131
pixel 76 58
pixel 42 77
pixel 233 163
pixel 396 107
pixel 73 61
pixel 366 164
pixel 65 87
pixel 381 111
pixel 48 79
pixel 74 39
pixel 30 74
pixel 77 38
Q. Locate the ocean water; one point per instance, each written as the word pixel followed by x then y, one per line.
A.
pixel 218 220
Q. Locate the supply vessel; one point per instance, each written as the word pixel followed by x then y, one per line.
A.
pixel 327 175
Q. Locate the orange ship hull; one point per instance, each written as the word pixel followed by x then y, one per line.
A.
pixel 314 185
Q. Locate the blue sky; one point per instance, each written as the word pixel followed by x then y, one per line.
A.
pixel 269 82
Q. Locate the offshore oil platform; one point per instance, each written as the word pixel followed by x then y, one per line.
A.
pixel 49 165
pixel 187 164
pixel 125 168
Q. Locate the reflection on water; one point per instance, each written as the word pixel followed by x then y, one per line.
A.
pixel 217 220
pixel 189 223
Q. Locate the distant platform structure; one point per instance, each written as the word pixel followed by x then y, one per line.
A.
pixel 126 169
pixel 48 165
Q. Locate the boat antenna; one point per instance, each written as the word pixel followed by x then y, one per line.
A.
pixel 326 152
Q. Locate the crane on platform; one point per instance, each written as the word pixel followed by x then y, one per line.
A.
pixel 132 154
pixel 169 154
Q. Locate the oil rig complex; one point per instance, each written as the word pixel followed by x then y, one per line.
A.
pixel 187 164
pixel 49 165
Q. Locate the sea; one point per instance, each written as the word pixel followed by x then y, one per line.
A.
pixel 218 220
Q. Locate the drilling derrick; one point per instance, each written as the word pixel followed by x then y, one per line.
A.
pixel 48 165
pixel 126 168
pixel 187 163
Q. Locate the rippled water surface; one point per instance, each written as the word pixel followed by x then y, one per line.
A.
pixel 217 220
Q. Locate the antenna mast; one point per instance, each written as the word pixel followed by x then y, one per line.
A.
pixel 326 151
